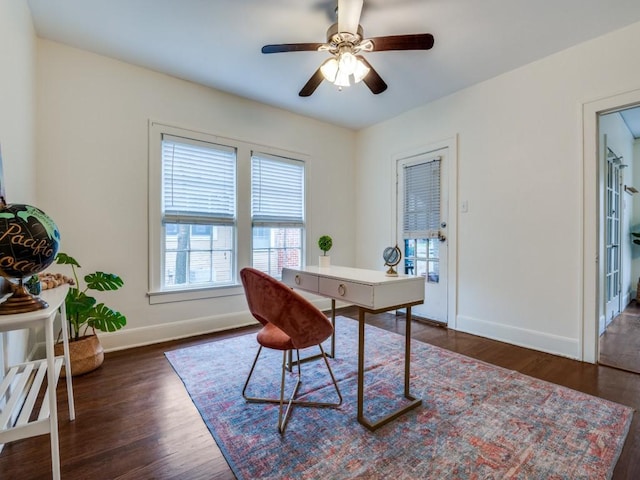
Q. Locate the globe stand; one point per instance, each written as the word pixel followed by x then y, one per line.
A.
pixel 21 301
pixel 391 272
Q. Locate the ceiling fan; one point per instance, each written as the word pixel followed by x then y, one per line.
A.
pixel 345 42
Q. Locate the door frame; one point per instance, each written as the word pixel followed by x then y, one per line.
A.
pixel 451 144
pixel 591 215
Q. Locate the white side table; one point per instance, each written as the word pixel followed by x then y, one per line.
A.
pixel 25 380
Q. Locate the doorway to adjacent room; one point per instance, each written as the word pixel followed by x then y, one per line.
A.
pixel 619 219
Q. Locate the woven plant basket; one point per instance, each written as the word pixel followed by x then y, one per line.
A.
pixel 86 355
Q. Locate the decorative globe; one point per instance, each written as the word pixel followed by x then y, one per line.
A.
pixel 29 240
pixel 392 256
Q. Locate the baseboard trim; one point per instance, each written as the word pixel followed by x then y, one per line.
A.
pixel 138 337
pixel 141 336
pixel 544 342
pixel 602 324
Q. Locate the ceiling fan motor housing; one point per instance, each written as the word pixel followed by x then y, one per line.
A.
pixel 334 37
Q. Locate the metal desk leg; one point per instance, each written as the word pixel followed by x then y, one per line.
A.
pixel 415 402
pixel 332 354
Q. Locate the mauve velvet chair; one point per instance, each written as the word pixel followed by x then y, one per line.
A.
pixel 289 322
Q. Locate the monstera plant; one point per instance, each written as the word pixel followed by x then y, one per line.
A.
pixel 85 315
pixel 83 311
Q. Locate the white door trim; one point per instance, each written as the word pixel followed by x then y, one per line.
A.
pixel 592 261
pixel 451 143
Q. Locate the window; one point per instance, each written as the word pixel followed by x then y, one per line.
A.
pixel 421 218
pixel 217 205
pixel 198 213
pixel 277 212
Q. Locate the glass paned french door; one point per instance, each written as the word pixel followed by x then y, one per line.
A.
pixel 612 239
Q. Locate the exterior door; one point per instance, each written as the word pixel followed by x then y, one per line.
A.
pixel 613 210
pixel 422 226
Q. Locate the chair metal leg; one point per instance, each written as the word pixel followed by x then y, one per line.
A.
pixel 333 379
pixel 282 420
pixel 283 416
pixel 246 383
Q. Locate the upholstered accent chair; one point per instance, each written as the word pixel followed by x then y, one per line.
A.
pixel 289 322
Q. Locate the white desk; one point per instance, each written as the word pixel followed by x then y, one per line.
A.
pixel 373 292
pixel 24 381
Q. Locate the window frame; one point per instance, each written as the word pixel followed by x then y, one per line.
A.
pixel 243 227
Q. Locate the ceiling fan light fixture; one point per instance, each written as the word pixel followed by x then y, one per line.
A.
pixel 339 70
pixel 329 69
pixel 361 71
pixel 342 79
pixel 347 62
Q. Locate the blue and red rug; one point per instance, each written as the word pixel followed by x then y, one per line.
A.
pixel 477 420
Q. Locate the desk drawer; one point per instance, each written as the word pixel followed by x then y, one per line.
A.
pixel 347 291
pixel 303 281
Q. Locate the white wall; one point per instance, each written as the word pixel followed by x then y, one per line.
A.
pixel 17 130
pixel 519 248
pixel 93 115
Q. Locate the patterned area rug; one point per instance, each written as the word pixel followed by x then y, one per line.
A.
pixel 477 420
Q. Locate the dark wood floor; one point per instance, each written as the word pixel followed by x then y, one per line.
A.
pixel 136 421
pixel 620 343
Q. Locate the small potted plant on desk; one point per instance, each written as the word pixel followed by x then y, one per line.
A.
pixel 85 316
pixel 325 243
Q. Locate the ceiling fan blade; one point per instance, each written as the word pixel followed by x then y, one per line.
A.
pixel 372 79
pixel 417 41
pixel 349 15
pixel 291 47
pixel 312 84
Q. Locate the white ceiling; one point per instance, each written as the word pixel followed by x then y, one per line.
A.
pixel 217 43
pixel 631 117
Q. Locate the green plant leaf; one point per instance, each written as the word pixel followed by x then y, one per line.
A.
pixel 105 319
pixel 64 259
pixel 82 311
pixel 103 281
pixel 78 303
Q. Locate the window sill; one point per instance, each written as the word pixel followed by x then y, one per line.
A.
pixel 169 296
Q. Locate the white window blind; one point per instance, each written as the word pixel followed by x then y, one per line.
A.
pixel 277 191
pixel 199 182
pixel 421 216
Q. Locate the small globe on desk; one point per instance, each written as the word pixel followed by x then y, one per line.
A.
pixel 29 242
pixel 392 257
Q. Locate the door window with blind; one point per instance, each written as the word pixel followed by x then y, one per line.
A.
pixel 420 217
pixel 277 212
pixel 198 213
